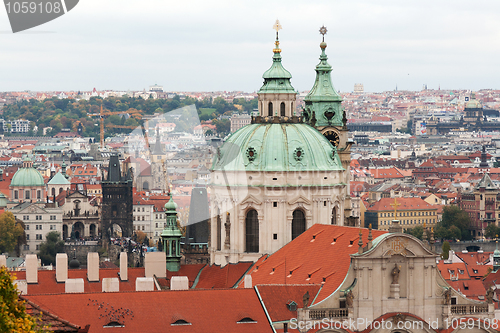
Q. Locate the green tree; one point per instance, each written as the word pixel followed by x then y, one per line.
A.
pixel 418 232
pixel 13 316
pixel 446 250
pixel 223 126
pixel 48 249
pixel 453 216
pixel 10 231
pixel 492 231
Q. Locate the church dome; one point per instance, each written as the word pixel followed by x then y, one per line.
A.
pixel 27 176
pixel 277 147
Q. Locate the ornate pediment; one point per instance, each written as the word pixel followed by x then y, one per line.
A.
pixel 251 200
pixel 32 209
pixel 389 245
pixel 300 199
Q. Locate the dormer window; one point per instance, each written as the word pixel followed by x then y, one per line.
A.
pixel 246 320
pixel 180 322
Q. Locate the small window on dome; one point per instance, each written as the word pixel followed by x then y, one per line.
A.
pixel 113 324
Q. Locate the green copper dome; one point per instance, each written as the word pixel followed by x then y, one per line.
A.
pixel 170 205
pixel 277 147
pixel 27 176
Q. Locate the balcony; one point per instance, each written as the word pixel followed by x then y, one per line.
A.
pixel 469 309
pixel 339 313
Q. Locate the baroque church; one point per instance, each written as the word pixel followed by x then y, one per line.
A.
pixel 278 176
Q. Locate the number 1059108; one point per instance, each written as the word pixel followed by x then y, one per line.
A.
pixel 33 7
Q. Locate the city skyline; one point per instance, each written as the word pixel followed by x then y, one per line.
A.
pixel 201 46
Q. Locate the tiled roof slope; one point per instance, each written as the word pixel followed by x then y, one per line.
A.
pixel 318 256
pixel 226 277
pixel 276 298
pixel 155 312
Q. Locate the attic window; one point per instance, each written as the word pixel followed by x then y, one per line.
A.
pixel 291 305
pixel 475 271
pixel 180 322
pixel 113 324
pixel 460 271
pixel 247 320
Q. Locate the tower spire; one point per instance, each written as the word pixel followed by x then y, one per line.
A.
pixel 277 27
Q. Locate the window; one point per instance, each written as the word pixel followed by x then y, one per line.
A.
pixel 26 247
pixel 27 227
pixel 252 231
pixel 38 247
pixel 270 109
pixel 27 236
pixel 38 237
pixel 298 223
pixel 275 204
pixel 38 194
pixel 282 109
pixel 27 195
pixel 16 194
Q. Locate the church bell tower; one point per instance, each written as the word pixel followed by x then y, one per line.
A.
pixel 323 110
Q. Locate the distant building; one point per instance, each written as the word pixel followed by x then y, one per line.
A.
pixel 411 212
pixel 239 120
pixel 358 88
pixel 481 205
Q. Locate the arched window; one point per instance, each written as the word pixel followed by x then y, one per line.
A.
pixel 282 109
pixel 298 223
pixel 270 109
pixel 334 215
pixel 252 231
pixel 145 186
pixel 53 191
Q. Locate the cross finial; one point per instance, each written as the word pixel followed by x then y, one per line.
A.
pixel 323 31
pixel 395 205
pixel 277 26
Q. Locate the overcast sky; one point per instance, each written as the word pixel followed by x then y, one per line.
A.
pixel 227 45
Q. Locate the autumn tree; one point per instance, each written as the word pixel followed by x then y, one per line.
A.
pixel 13 316
pixel 10 231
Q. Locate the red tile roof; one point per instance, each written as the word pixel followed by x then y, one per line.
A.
pixel 307 259
pixel 216 276
pixel 406 204
pixel 199 310
pixel 276 298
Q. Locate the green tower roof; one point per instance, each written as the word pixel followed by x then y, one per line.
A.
pixel 323 102
pixel 277 147
pixel 277 78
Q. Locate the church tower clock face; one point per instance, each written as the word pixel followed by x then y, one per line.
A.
pixel 333 137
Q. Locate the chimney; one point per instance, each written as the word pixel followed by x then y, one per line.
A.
pixel 110 285
pixel 3 260
pixel 179 283
pixel 155 263
pixel 123 266
pixel 248 281
pixel 22 286
pixel 144 284
pixel 61 267
pixel 31 263
pixel 74 286
pixel 93 267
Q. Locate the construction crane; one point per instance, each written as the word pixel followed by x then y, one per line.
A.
pixel 102 114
